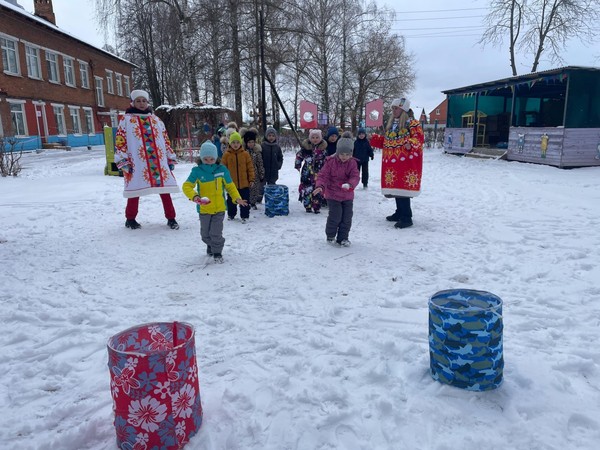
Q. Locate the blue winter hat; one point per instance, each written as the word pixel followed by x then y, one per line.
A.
pixel 331 131
pixel 208 150
pixel 361 130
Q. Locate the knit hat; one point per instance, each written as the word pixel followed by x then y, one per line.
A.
pixel 139 93
pixel 403 103
pixel 331 131
pixel 345 146
pixel 249 136
pixel 208 149
pixel 271 130
pixel 235 136
pixel 361 130
pixel 347 134
pixel 315 132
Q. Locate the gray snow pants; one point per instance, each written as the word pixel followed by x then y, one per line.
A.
pixel 339 220
pixel 211 231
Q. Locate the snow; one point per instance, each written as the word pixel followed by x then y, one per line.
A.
pixel 302 345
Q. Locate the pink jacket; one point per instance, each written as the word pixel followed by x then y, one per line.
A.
pixel 335 173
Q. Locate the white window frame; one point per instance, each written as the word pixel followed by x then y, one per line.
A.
pixel 69 69
pixel 119 83
pixel 110 87
pixel 84 73
pixel 75 119
pixel 59 113
pixel 437 112
pixel 88 114
pixel 114 118
pixel 52 66
pixel 10 66
pixel 127 86
pixel 34 65
pixel 99 87
pixel 23 117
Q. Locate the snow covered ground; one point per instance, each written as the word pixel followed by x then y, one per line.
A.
pixel 301 345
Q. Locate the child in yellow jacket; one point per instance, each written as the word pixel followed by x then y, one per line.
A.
pixel 241 168
pixel 206 186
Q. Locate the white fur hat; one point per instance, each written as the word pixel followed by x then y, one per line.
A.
pixel 403 103
pixel 139 93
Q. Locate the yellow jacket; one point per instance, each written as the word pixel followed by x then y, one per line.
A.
pixel 212 181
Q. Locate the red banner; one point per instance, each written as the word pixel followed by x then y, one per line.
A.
pixel 308 115
pixel 374 113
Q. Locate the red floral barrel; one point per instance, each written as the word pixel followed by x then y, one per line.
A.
pixel 154 385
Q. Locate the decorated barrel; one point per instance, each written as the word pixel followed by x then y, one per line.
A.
pixel 465 339
pixel 277 200
pixel 154 385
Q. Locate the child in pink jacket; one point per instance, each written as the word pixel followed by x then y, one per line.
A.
pixel 337 180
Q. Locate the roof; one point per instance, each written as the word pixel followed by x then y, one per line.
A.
pixel 19 10
pixel 519 79
pixel 191 107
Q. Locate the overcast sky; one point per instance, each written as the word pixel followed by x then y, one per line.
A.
pixel 441 34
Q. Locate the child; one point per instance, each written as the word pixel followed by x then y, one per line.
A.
pixel 362 152
pixel 259 171
pixel 239 163
pixel 272 156
pixel 338 178
pixel 143 152
pixel 332 137
pixel 206 186
pixel 309 160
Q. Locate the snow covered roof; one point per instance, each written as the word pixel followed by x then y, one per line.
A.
pixel 191 106
pixel 21 11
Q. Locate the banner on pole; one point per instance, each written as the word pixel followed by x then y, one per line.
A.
pixel 308 114
pixel 374 113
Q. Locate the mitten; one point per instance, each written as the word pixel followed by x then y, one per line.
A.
pixel 346 186
pixel 127 168
pixel 372 157
pixel 172 167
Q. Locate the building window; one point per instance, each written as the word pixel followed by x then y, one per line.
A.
pixel 52 65
pixel 119 82
pixel 114 119
pixel 437 112
pixel 17 116
pixel 34 68
pixel 109 82
pixel 127 86
pixel 75 119
pixel 89 120
pixel 99 91
pixel 10 57
pixel 85 74
pixel 59 116
pixel 69 67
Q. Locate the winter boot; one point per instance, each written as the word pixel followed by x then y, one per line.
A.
pixel 209 250
pixel 172 224
pixel 218 258
pixel 131 223
pixel 393 218
pixel 404 224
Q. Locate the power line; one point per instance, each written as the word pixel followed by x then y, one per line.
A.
pixel 439 18
pixel 441 10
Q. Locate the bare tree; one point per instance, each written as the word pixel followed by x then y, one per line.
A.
pixel 540 26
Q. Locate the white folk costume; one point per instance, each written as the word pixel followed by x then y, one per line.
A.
pixel 402 160
pixel 142 144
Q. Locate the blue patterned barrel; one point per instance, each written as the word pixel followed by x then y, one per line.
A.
pixel 465 339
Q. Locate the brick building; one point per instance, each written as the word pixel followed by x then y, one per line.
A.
pixel 55 87
pixel 439 113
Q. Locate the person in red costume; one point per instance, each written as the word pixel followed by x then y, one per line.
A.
pixel 402 161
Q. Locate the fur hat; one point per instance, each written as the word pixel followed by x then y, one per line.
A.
pixel 331 131
pixel 345 146
pixel 233 125
pixel 235 136
pixel 315 132
pixel 249 136
pixel 139 93
pixel 403 103
pixel 208 149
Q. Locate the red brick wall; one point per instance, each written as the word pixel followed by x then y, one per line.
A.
pixel 22 28
pixel 442 115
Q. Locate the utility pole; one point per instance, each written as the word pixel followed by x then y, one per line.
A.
pixel 263 103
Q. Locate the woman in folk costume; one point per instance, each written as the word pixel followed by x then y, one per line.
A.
pixel 402 161
pixel 143 152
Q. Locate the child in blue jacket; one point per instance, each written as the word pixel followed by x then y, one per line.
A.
pixel 206 186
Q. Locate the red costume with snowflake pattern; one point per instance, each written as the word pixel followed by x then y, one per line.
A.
pixel 402 160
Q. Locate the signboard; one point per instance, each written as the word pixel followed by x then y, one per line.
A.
pixel 308 114
pixel 374 113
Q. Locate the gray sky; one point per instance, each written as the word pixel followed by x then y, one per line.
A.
pixel 442 35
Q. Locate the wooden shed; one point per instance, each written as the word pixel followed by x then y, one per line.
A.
pixel 189 125
pixel 550 117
